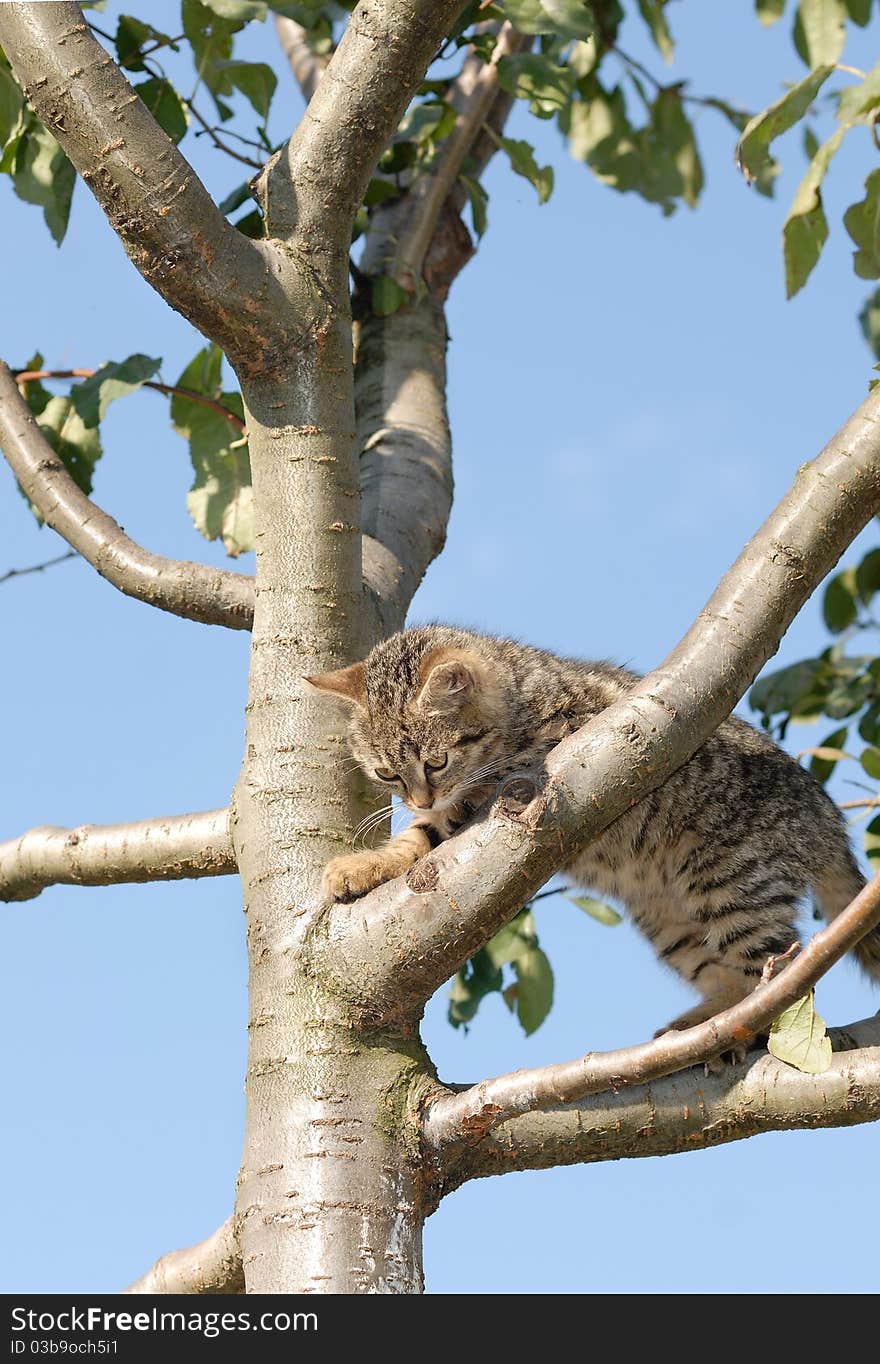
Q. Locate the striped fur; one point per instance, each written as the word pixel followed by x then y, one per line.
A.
pixel 711 867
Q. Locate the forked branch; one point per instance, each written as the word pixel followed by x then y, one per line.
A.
pixel 318 181
pixel 403 941
pixel 456 1118
pixel 211 595
pixel 211 1267
pixel 684 1112
pixel 171 848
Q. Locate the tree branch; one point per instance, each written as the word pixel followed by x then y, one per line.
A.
pixel 406 451
pixel 404 939
pixel 211 1267
pixel 169 390
pixel 456 1118
pixel 168 223
pixel 307 67
pixel 684 1112
pixel 317 182
pixel 170 848
pixel 212 595
pixel 37 568
pixel 472 96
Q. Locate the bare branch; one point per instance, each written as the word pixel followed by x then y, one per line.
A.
pixel 37 568
pixel 684 1112
pixel 164 216
pixel 404 940
pixel 211 595
pixel 458 1117
pixel 472 96
pixel 211 1267
pixel 307 67
pixel 318 181
pixel 169 390
pixel 170 848
pixel 406 452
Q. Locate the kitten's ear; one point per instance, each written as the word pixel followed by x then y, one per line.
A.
pixel 345 684
pixel 451 680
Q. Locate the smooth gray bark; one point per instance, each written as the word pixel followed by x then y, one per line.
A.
pixel 212 1266
pixel 173 848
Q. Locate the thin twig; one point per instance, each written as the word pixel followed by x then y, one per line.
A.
pixel 37 568
pixel 29 375
pixel 859 804
pixel 218 141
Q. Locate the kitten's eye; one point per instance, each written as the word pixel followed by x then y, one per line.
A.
pixel 385 774
pixel 436 764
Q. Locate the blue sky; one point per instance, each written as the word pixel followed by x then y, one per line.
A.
pixel 629 398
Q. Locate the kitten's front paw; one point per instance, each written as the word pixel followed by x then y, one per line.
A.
pixel 347 877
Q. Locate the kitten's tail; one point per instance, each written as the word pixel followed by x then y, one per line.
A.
pixel 838 885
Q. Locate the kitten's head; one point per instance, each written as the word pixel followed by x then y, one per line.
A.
pixel 425 719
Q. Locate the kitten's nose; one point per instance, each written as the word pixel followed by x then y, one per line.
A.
pixel 421 802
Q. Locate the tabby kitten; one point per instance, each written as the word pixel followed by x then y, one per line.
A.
pixel 711 866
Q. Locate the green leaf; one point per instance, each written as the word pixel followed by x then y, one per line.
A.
pixel 476 979
pixel 862 222
pixel 43 175
pixel 220 501
pixel 478 199
pixel 768 11
pixel 165 105
pixel 132 35
pixel 210 36
pixel 255 80
pixel 652 11
pixel 868 575
pixel 597 909
pixel 535 78
pixel 251 224
pixel 872 843
pixel 869 321
pixel 568 18
pixel 858 103
pixel 522 160
pixel 806 228
pixel 12 106
pixel 870 760
pixel 534 988
pixel 811 143
pixel 869 724
pixel 859 11
pixel 76 444
pixel 427 122
pixel 827 755
pixel 752 151
pixel 838 603
pixel 820 31
pixel 780 691
pixel 798 1036
pixel 239 10
pixel 672 137
pixel 235 198
pixel 387 296
pixel 93 396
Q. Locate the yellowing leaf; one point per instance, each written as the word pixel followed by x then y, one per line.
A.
pixel 798 1036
